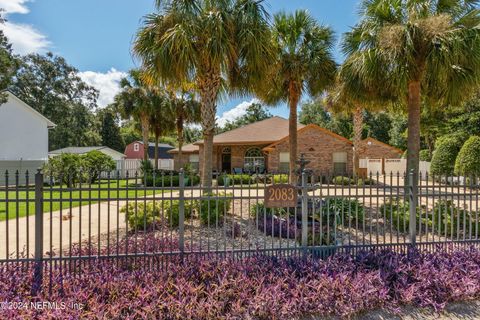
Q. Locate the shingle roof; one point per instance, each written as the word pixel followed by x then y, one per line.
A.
pixel 265 131
pixel 82 150
pixel 188 148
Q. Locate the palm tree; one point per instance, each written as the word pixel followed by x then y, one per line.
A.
pixel 215 44
pixel 350 94
pixel 162 117
pixel 187 110
pixel 136 100
pixel 417 50
pixel 302 63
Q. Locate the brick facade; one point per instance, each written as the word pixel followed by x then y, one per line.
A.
pixel 318 145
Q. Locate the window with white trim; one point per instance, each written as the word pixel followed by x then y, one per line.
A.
pixel 340 162
pixel 194 160
pixel 136 147
pixel 254 160
pixel 284 161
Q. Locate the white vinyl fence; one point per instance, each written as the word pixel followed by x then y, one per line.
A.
pixel 390 166
pixel 132 166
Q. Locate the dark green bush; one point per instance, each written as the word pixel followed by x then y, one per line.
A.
pixel 425 155
pixel 169 180
pixel 235 179
pixel 446 150
pixel 258 209
pixel 212 208
pixel 468 159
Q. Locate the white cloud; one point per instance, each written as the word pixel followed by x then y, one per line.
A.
pixel 235 112
pixel 14 6
pixel 106 83
pixel 23 37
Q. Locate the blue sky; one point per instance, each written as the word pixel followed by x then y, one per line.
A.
pixel 95 35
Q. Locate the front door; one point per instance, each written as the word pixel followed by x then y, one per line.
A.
pixel 226 162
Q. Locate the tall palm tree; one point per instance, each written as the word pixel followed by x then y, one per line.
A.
pixel 136 100
pixel 418 50
pixel 162 117
pixel 350 94
pixel 215 44
pixel 187 110
pixel 302 63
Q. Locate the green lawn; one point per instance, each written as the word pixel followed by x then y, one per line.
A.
pixel 98 190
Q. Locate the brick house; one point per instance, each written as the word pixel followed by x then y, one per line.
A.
pixel 263 147
pixel 135 150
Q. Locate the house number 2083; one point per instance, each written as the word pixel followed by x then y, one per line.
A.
pixel 280 196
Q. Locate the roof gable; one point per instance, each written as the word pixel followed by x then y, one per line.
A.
pixel 310 127
pixel 373 140
pixel 264 131
pixel 83 150
pixel 21 103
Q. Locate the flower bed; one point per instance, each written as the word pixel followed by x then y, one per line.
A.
pixel 256 288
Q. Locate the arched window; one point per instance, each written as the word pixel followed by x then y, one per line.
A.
pixel 254 160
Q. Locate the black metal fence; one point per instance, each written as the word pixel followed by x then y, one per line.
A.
pixel 72 220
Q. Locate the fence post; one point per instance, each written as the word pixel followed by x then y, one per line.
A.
pixel 304 210
pixel 412 197
pixel 181 211
pixel 38 269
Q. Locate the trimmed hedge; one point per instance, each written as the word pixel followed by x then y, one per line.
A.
pixel 170 180
pixel 343 181
pixel 446 150
pixel 468 159
pixel 235 179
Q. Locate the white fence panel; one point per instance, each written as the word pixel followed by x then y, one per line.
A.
pixel 395 166
pixel 374 166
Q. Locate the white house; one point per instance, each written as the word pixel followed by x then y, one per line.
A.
pixel 23 131
pixel 117 156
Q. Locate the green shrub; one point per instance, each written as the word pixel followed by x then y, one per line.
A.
pixel 446 150
pixel 96 162
pixel 280 178
pixel 142 217
pixel 212 208
pixel 65 168
pixel 172 212
pixel 345 209
pixel 235 179
pixel 343 181
pixel 259 209
pixel 448 219
pixel 365 181
pixel 168 180
pixel 425 155
pixel 468 159
pixel 445 219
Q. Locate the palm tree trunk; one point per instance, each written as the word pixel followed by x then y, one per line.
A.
pixel 180 139
pixel 145 133
pixel 413 143
pixel 357 137
pixel 208 88
pixel 157 138
pixel 294 95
